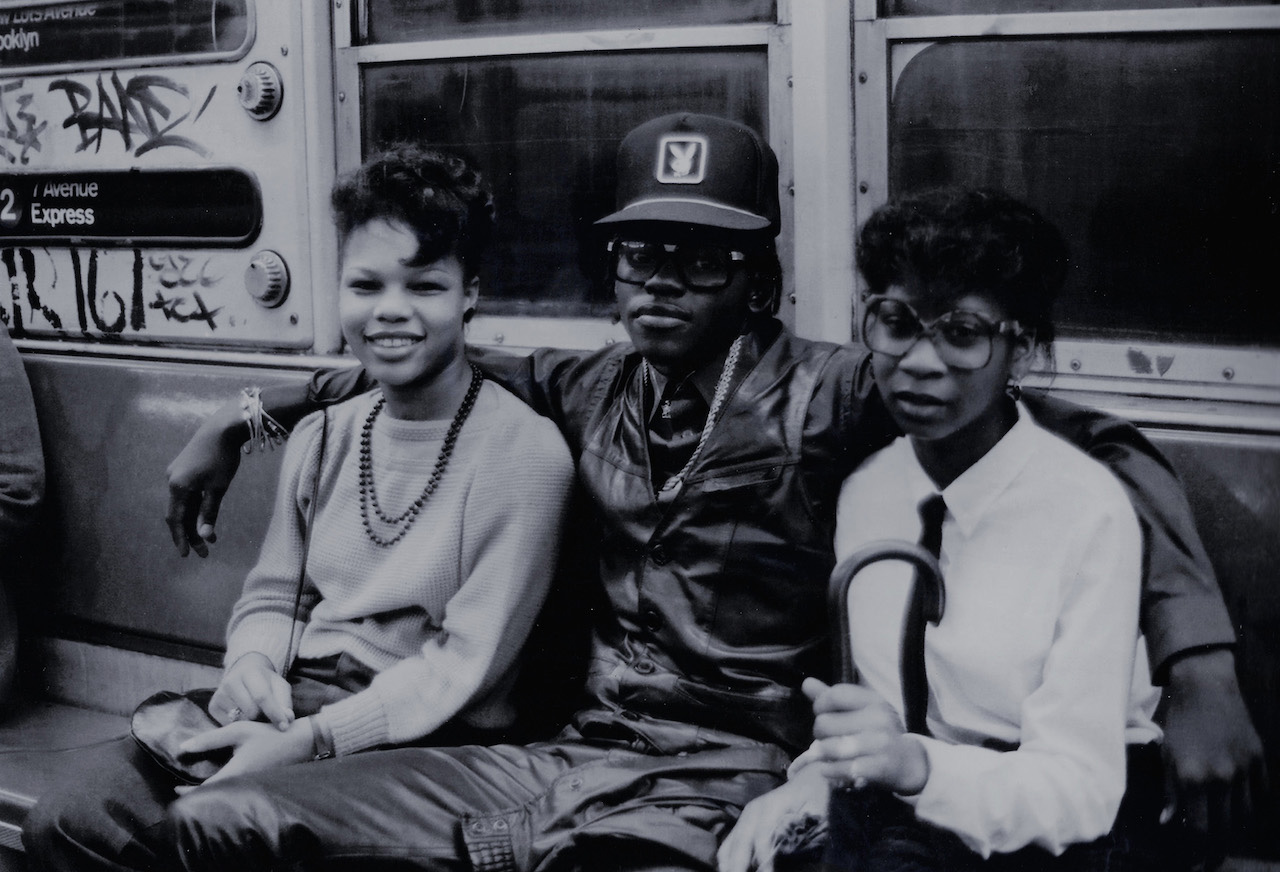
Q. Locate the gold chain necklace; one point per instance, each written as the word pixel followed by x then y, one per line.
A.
pixel 672 485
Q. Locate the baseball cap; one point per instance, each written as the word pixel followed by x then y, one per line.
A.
pixel 697 169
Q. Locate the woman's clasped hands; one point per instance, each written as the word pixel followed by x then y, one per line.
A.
pixel 254 705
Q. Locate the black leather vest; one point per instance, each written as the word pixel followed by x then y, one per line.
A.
pixel 716 598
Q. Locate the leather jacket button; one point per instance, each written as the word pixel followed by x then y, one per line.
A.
pixel 651 619
pixel 644 667
pixel 658 554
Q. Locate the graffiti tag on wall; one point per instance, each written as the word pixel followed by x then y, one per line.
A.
pixel 143 111
pixel 19 129
pixel 39 297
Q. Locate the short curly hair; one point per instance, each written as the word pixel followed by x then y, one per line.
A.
pixel 952 241
pixel 440 196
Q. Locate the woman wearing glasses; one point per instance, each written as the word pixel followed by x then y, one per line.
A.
pixel 1035 682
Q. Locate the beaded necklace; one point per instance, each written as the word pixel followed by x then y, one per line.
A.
pixel 672 485
pixel 369 493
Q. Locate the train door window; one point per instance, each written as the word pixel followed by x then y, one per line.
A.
pixel 1156 152
pixel 406 21
pixel 543 114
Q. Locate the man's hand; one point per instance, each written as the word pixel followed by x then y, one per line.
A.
pixel 750 844
pixel 862 740
pixel 1215 773
pixel 251 689
pixel 199 477
pixel 255 746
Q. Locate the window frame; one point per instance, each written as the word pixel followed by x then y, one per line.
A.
pixel 1101 369
pixel 810 124
pixel 174 60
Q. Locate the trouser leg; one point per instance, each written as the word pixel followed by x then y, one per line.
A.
pixel 395 809
pixel 551 808
pixel 101 817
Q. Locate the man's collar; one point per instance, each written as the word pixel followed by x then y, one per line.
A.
pixel 758 340
pixel 703 379
pixel 970 496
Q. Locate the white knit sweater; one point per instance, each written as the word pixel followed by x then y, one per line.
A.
pixel 441 614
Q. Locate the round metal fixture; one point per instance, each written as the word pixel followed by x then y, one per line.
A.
pixel 267 278
pixel 261 90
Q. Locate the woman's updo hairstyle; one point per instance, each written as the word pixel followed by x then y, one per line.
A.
pixel 440 196
pixel 954 242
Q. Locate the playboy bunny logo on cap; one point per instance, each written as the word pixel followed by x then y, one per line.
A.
pixel 697 169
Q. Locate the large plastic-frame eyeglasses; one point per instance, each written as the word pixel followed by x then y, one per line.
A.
pixel 963 339
pixel 702 266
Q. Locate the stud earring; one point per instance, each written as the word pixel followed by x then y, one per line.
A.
pixel 1014 390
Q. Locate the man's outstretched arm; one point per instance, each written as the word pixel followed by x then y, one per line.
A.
pixel 201 473
pixel 1214 765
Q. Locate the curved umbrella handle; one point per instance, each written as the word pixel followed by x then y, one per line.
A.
pixel 930 574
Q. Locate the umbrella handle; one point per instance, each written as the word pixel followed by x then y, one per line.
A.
pixel 930 574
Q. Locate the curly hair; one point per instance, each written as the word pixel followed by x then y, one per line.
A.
pixel 440 196
pixel 954 242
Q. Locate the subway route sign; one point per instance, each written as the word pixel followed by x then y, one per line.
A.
pixel 219 207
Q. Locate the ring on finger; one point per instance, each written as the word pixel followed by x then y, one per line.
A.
pixel 235 714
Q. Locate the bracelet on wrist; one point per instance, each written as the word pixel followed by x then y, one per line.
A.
pixel 321 741
pixel 264 431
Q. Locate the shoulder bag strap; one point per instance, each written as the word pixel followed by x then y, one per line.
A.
pixel 306 543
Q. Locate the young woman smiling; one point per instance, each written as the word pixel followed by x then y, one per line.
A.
pixel 438 503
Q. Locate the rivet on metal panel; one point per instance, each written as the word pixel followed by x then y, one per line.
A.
pixel 790 82
pixel 293 319
pixel 863 187
pixel 499 338
pixel 1076 364
pixel 1228 373
pixel 862 78
pixel 284 50
pixel 342 96
pixel 793 299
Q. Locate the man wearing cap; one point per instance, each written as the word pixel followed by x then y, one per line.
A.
pixel 711 449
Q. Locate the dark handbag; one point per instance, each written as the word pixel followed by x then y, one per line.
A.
pixel 164 720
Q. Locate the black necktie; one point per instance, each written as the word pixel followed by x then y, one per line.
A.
pixel 674 428
pixel 915 683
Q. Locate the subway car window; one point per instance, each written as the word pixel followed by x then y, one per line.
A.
pixel 409 20
pixel 546 129
pixel 106 31
pixel 1006 7
pixel 1158 156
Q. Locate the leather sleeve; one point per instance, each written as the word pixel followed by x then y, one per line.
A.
pixel 1182 607
pixel 330 386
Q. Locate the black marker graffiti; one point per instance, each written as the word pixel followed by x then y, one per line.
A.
pixel 171 307
pixel 182 270
pixel 20 263
pixel 137 110
pixel 103 310
pixel 19 133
